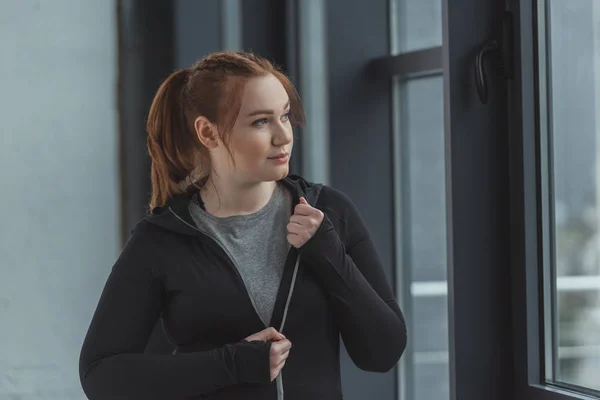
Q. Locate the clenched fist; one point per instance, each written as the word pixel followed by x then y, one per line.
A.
pixel 280 348
pixel 304 223
pixel 279 353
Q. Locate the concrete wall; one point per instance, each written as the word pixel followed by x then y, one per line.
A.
pixel 59 187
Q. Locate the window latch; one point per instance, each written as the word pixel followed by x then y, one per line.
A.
pixel 502 47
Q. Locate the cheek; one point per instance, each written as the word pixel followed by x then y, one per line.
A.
pixel 252 148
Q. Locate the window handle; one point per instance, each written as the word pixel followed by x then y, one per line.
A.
pixel 480 76
pixel 504 46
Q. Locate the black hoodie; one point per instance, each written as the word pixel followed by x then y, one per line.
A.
pixel 169 270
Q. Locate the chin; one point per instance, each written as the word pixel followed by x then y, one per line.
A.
pixel 282 175
pixel 278 173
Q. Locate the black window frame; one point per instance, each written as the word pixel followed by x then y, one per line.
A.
pixel 527 193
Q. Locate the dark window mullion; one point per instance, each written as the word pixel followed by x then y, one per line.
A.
pixel 408 65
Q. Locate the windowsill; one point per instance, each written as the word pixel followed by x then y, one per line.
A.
pixel 563 393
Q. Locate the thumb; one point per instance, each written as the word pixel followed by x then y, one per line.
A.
pixel 303 201
pixel 270 334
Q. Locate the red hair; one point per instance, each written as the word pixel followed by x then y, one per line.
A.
pixel 212 88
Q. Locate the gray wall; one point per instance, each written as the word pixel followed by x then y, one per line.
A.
pixel 58 170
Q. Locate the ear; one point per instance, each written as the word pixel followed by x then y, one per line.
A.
pixel 207 132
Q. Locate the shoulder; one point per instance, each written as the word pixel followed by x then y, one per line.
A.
pixel 335 200
pixel 343 214
pixel 146 234
pixel 321 195
pixel 143 250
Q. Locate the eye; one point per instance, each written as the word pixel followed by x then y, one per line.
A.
pixel 285 117
pixel 260 122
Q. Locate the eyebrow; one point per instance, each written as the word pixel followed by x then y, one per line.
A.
pixel 270 112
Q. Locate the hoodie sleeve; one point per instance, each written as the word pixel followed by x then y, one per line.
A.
pixel 112 362
pixel 369 318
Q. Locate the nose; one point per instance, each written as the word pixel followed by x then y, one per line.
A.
pixel 282 135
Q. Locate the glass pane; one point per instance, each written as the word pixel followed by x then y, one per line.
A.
pixel 423 231
pixel 430 330
pixel 570 81
pixel 579 337
pixel 417 24
pixel 423 124
pixel 432 380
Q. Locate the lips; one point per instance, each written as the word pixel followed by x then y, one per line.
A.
pixel 279 156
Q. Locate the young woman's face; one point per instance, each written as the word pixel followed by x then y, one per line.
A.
pixel 261 140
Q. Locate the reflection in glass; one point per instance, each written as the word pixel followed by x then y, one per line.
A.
pixel 570 81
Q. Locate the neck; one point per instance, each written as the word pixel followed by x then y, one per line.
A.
pixel 225 198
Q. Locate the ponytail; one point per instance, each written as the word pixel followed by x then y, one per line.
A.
pixel 171 145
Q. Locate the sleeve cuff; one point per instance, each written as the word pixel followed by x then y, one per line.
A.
pixel 323 241
pixel 252 362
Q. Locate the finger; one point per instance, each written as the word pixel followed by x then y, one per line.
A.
pixel 284 356
pixel 305 222
pixel 295 229
pixel 274 374
pixel 278 348
pixel 269 334
pixel 282 346
pixel 275 371
pixel 303 209
pixel 300 219
pixel 280 365
pixel 294 240
pixel 278 361
pixel 269 331
pixel 273 334
pixel 303 201
pixel 281 358
pixel 271 337
pixel 284 352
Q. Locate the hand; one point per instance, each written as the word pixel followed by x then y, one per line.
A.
pixel 266 335
pixel 280 348
pixel 304 223
pixel 280 351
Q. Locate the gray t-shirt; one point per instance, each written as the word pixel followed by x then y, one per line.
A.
pixel 257 244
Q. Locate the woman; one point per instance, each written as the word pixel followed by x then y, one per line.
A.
pixel 253 273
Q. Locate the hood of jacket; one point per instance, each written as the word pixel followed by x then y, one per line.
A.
pixel 171 215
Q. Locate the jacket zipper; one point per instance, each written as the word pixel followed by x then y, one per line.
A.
pixel 279 378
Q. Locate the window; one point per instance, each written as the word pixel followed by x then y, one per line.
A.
pixel 420 199
pixel 569 92
pixel 423 228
